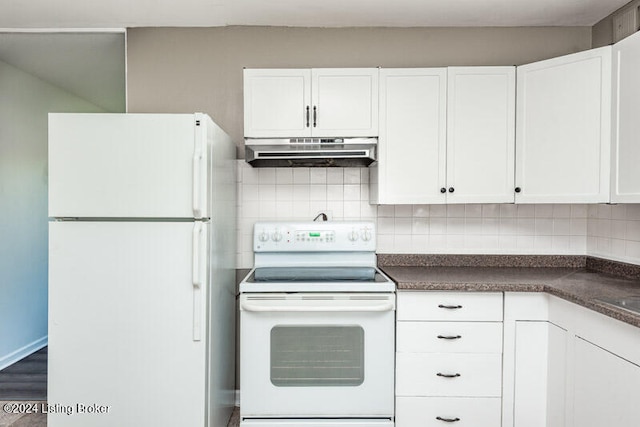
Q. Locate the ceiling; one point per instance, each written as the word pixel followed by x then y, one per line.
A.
pixel 303 13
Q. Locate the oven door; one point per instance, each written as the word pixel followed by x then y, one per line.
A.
pixel 317 355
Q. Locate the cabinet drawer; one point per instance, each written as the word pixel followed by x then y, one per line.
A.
pixel 469 412
pixel 450 306
pixel 473 374
pixel 449 337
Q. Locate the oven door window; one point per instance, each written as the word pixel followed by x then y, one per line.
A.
pixel 317 356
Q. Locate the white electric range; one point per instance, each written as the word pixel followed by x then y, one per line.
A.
pixel 317 328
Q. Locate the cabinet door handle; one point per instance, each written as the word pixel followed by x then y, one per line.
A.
pixel 518 189
pixel 450 307
pixel 448 420
pixel 451 189
pixel 443 190
pixel 315 116
pixel 307 116
pixel 449 337
pixel 440 374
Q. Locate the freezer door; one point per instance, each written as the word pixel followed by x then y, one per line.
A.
pixel 128 165
pixel 127 324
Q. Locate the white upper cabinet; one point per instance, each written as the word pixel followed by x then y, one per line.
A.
pixel 564 129
pixel 626 126
pixel 310 102
pixel 481 134
pixel 411 147
pixel 446 136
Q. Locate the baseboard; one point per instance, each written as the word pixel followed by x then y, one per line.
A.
pixel 237 398
pixel 23 352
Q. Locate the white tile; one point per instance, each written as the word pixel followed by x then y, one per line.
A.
pixel 420 226
pixel 473 211
pixel 508 226
pixel 437 243
pixel 403 225
pixel 420 211
pixel 364 192
pixel 633 251
pixel 285 210
pixel 544 244
pixel 491 243
pixel 336 207
pixel 317 192
pixel 633 212
pixel 246 260
pixel 561 227
pixel 592 211
pixel 619 229
pixel 368 211
pixel 525 244
pixel 352 210
pixel 526 226
pixel 604 245
pixel 578 227
pixel 619 212
pixel 455 211
pixel 618 248
pixel 490 225
pixel 246 225
pixel 251 209
pixel 437 226
pixel 544 227
pixel 561 244
pixel 603 228
pixel 284 192
pixel 386 210
pixel 284 176
pixel 633 231
pixel 268 210
pixel 579 245
pixel 438 211
pixel 526 211
pixel 579 211
pixel 508 244
pixel 592 227
pixel 604 211
pixel 404 211
pixel 301 176
pixel 335 176
pixel 351 192
pixel 509 210
pixel 250 192
pixel 301 210
pixel 318 175
pixel 544 211
pixel 474 243
pixel 561 211
pixel 455 226
pixel 419 243
pixel 267 175
pixel 301 192
pixel 335 192
pixel 455 243
pixel 351 175
pixel 402 243
pixel 364 175
pixel 491 210
pixel 266 192
pixel 592 245
pixel 250 175
pixel 386 225
pixel 473 226
pixel 384 243
pixel 317 206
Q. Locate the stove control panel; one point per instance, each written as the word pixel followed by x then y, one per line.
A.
pixel 314 236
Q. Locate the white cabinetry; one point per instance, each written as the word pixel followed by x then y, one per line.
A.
pixel 448 359
pixel 626 126
pixel 310 102
pixel 564 129
pixel 446 136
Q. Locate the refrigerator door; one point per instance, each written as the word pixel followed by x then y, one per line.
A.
pixel 127 324
pixel 128 165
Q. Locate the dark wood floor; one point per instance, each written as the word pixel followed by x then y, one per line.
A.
pixel 26 379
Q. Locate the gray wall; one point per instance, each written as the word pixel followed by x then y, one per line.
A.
pixel 24 105
pixel 603 31
pixel 200 69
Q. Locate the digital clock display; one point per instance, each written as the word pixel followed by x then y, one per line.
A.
pixel 314 234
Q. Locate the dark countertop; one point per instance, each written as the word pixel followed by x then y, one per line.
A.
pixel 578 285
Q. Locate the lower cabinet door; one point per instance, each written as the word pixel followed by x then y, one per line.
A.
pixel 448 411
pixel 316 423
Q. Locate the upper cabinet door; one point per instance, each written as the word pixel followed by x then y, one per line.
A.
pixel 564 129
pixel 626 126
pixel 480 134
pixel 345 102
pixel 411 147
pixel 277 103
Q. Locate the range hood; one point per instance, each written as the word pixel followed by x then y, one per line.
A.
pixel 310 152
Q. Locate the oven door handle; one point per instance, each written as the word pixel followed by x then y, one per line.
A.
pixel 304 306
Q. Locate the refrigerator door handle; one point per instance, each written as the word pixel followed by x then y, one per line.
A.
pixel 197 182
pixel 197 274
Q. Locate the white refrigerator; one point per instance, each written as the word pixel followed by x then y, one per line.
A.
pixel 141 271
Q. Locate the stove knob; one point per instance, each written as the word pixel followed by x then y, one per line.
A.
pixel 276 236
pixel 366 235
pixel 353 236
pixel 263 237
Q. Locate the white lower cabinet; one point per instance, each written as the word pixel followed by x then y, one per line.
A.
pixel 449 359
pixel 442 411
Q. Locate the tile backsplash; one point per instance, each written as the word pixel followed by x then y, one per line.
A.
pixel 613 232
pixel 266 194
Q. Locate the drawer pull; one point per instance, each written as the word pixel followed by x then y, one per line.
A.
pixel 448 420
pixel 449 337
pixel 450 307
pixel 440 374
